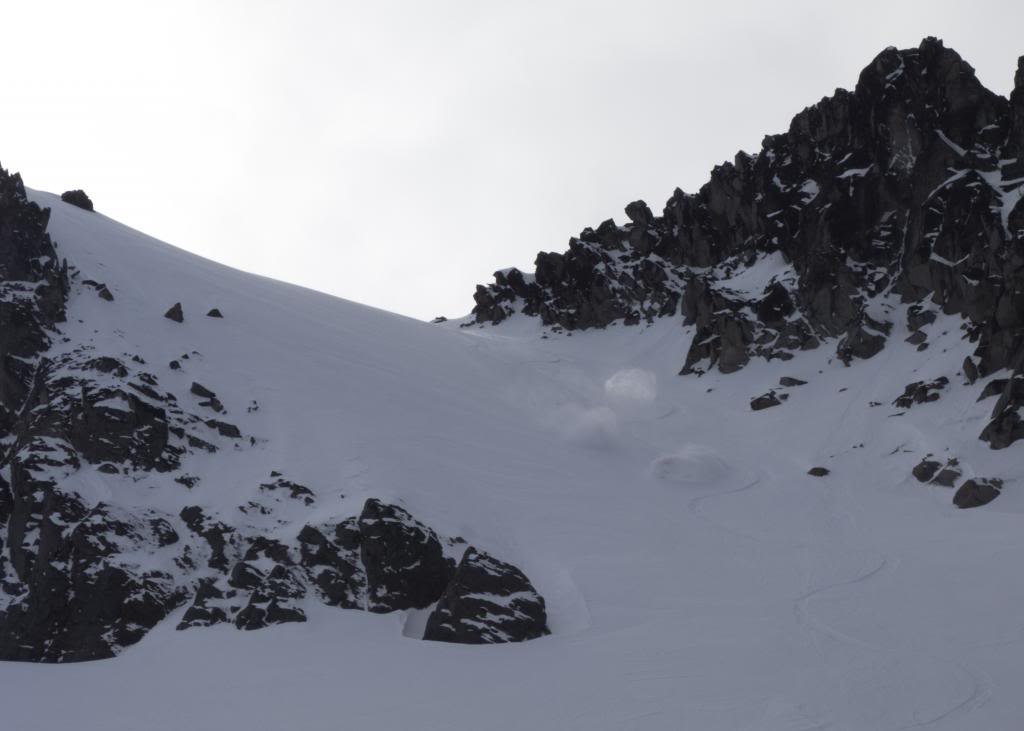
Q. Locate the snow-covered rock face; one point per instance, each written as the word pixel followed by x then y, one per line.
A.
pixel 80 577
pixel 902 192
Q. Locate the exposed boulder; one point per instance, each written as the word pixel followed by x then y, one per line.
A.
pixel 77 198
pixel 201 391
pixel 766 401
pixel 175 313
pixel 935 473
pixel 970 370
pixel 921 392
pixel 487 601
pixel 926 469
pixel 224 429
pixel 977 492
pixel 948 475
pixel 405 564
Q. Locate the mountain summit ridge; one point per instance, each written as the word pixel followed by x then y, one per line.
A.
pixel 902 194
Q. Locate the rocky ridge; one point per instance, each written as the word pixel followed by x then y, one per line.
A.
pixel 899 199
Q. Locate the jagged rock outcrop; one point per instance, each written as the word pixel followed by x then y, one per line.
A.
pixel 382 560
pixel 904 192
pixel 33 290
pixel 920 392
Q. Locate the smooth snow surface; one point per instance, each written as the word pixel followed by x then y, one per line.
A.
pixel 696 576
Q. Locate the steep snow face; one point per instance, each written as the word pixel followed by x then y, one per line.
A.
pixel 695 575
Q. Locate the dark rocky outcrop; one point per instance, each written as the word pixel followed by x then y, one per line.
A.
pixel 818 472
pixel 293 489
pixel 81 580
pixel 920 392
pixel 487 601
pixel 33 291
pixel 214 313
pixel 81 599
pixel 382 560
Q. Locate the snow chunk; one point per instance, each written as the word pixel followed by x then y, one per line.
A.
pixel 694 464
pixel 631 386
pixel 590 427
pixel 855 172
pixel 810 190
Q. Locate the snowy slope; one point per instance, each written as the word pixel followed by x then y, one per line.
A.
pixel 696 577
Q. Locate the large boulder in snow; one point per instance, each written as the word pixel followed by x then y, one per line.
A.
pixel 977 492
pixel 77 198
pixel 488 601
pixel 405 564
pixel 175 313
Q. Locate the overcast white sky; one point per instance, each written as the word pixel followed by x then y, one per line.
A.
pixel 397 153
